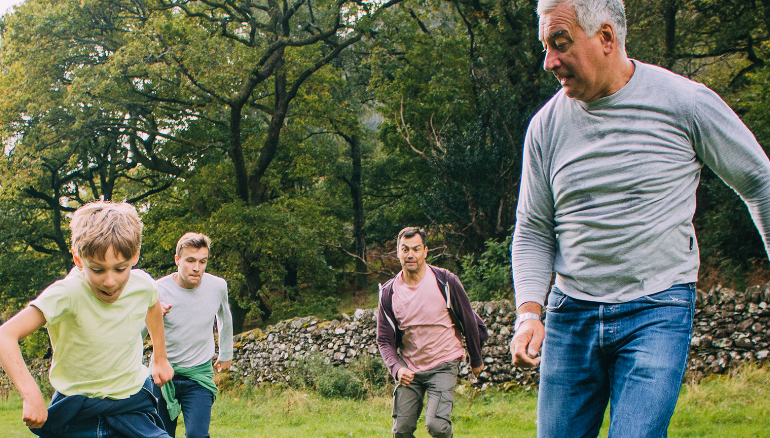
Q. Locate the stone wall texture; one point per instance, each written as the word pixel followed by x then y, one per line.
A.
pixel 730 328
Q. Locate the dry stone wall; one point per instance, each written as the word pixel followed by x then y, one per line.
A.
pixel 265 356
pixel 730 328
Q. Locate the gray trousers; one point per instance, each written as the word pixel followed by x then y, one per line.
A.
pixel 439 383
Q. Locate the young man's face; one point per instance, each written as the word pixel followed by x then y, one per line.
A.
pixel 412 254
pixel 107 277
pixel 192 265
pixel 576 59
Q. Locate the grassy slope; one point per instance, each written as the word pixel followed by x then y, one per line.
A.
pixel 735 406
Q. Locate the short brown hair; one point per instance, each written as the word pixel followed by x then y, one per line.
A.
pixel 193 240
pixel 411 232
pixel 98 225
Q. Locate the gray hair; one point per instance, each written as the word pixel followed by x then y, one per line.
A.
pixel 591 14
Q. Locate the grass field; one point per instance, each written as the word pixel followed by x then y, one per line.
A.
pixel 719 407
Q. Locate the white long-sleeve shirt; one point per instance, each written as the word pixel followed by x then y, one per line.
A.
pixel 190 323
pixel 608 187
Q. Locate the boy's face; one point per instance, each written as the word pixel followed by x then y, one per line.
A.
pixel 192 264
pixel 107 277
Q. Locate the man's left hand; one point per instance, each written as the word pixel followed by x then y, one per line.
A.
pixel 477 370
pixel 223 366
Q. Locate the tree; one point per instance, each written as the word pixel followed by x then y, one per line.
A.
pixel 67 141
pixel 466 78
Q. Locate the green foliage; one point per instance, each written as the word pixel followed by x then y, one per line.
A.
pixel 370 370
pixel 213 118
pixel 488 276
pixel 316 304
pixel 466 80
pixel 339 382
pixel 36 345
pixel 315 372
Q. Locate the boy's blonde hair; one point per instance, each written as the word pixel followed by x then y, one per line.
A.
pixel 193 240
pixel 98 225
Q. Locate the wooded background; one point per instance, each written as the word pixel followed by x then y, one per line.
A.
pixel 302 135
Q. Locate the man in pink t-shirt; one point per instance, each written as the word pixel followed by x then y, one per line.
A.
pixel 424 311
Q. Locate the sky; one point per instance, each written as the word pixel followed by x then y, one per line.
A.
pixel 5 4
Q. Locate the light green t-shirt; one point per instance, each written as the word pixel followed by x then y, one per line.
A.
pixel 97 347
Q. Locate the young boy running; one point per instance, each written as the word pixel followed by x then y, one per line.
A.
pixel 94 317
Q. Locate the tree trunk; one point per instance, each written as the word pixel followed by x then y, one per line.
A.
pixel 669 15
pixel 356 194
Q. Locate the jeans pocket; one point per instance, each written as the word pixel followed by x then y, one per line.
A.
pixel 677 295
pixel 556 300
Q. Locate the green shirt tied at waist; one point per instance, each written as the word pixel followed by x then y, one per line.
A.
pixel 202 374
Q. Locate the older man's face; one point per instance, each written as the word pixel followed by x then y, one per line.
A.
pixel 577 60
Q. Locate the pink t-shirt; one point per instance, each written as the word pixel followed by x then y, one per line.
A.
pixel 430 337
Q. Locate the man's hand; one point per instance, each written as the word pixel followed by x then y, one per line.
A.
pixel 223 366
pixel 405 376
pixel 526 342
pixel 477 370
pixel 165 308
pixel 34 412
pixel 162 372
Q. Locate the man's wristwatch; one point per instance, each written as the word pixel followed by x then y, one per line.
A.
pixel 521 317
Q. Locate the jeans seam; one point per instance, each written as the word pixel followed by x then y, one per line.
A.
pixel 601 326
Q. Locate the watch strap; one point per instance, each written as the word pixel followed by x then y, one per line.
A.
pixel 521 317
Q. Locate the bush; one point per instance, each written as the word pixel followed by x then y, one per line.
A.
pixel 315 372
pixel 302 372
pixel 370 370
pixel 488 277
pixel 339 382
pixel 36 345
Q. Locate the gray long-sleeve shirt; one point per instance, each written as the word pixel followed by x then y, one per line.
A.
pixel 189 325
pixel 608 187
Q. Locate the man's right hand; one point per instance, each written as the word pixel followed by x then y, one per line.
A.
pixel 34 412
pixel 526 343
pixel 404 376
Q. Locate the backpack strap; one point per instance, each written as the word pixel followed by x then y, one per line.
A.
pixel 380 288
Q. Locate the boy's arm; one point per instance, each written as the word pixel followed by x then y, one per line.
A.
pixel 164 308
pixel 162 371
pixel 225 330
pixel 35 411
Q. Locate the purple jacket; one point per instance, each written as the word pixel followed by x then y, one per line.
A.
pixel 459 307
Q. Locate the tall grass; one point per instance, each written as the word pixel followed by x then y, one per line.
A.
pixel 736 405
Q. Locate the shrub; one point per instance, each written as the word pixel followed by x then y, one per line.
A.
pixel 488 276
pixel 303 371
pixel 370 370
pixel 36 345
pixel 315 372
pixel 339 382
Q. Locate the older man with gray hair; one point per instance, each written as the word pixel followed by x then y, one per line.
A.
pixel 611 164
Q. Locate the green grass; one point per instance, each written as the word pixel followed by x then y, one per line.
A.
pixel 721 406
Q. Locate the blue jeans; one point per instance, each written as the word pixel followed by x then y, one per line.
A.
pixel 196 402
pixel 632 354
pixel 97 426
